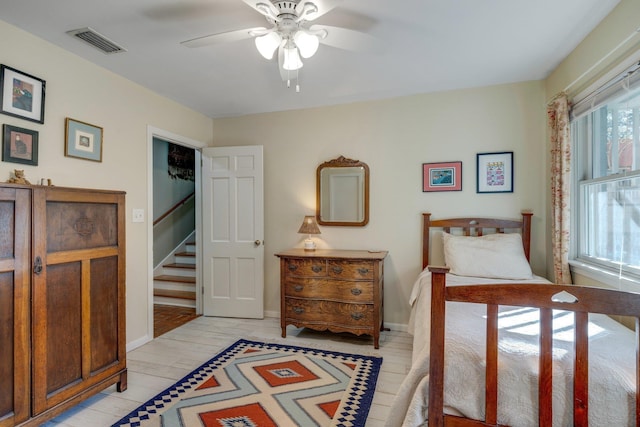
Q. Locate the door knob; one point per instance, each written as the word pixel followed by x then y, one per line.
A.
pixel 257 243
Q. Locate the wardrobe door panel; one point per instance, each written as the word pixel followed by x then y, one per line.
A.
pixel 77 225
pixel 64 320
pixel 104 312
pixel 15 244
pixel 7 350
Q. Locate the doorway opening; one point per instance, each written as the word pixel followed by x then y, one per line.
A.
pixel 174 258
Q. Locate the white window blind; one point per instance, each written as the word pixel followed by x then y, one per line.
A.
pixel 616 88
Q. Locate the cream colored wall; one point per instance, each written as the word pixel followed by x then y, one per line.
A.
pixel 614 41
pixel 78 89
pixel 394 137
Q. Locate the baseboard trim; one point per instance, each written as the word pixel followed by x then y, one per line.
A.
pixel 138 343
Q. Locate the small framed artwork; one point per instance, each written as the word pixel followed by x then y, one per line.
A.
pixel 495 172
pixel 443 176
pixel 21 95
pixel 19 145
pixel 83 140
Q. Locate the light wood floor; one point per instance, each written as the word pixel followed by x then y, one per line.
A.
pixel 159 363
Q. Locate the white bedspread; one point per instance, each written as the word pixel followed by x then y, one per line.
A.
pixel 611 360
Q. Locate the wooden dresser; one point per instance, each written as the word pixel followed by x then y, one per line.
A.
pixel 335 290
pixel 62 299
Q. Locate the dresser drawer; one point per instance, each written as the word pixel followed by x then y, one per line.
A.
pixel 306 267
pixel 330 289
pixel 357 316
pixel 354 270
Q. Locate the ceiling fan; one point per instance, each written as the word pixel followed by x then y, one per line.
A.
pixel 291 33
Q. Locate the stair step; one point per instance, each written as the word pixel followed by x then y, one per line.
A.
pixel 174 294
pixel 171 278
pixel 180 265
pixel 186 254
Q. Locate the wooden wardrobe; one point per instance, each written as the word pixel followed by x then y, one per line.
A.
pixel 62 299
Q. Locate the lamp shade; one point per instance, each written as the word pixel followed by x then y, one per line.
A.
pixel 309 225
pixel 291 58
pixel 268 44
pixel 307 43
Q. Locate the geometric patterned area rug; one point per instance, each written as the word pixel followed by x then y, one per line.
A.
pixel 255 384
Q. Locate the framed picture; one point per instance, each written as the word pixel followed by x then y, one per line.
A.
pixel 495 172
pixel 444 176
pixel 19 145
pixel 21 95
pixel 83 140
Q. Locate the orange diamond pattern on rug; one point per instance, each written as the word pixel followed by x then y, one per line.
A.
pixel 252 415
pixel 277 374
pixel 261 384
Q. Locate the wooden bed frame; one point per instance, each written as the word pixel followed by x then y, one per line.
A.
pixel 544 297
pixel 476 227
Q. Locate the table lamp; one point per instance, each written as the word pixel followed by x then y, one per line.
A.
pixel 309 226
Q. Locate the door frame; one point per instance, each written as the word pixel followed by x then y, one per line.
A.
pixel 197 146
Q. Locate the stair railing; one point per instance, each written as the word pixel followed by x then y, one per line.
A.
pixel 172 209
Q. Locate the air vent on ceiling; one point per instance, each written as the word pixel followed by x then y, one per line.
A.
pixel 96 40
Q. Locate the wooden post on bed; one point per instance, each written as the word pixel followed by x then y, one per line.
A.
pixel 436 356
pixel 526 233
pixel 426 225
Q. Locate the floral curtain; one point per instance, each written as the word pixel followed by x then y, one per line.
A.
pixel 558 120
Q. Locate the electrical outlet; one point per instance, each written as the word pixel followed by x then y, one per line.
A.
pixel 138 215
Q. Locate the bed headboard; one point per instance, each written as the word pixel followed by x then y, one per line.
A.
pixel 476 227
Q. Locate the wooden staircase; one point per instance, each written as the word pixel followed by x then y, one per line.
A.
pixel 175 284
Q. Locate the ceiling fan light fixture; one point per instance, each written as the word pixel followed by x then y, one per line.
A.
pixel 292 59
pixel 268 44
pixel 307 43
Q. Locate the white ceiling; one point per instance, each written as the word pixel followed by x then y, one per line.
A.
pixel 422 46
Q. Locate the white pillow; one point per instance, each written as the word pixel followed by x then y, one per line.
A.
pixel 496 256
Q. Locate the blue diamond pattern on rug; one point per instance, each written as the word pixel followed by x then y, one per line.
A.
pixel 260 384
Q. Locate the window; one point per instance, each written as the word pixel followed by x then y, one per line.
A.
pixel 606 167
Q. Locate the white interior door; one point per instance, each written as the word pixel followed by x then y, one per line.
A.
pixel 233 231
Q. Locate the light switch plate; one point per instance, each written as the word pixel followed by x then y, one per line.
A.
pixel 138 215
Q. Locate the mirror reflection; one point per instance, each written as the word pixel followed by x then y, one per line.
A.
pixel 342 193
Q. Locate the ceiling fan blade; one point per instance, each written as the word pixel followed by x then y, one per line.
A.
pixel 229 36
pixel 322 6
pixel 344 38
pixel 264 7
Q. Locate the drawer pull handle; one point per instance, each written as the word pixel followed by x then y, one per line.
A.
pixel 357 316
pixel 298 288
pixel 363 271
pixel 316 268
pixel 337 270
pixel 298 310
pixel 356 291
pixel 293 267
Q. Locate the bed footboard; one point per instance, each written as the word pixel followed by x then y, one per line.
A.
pixel 579 300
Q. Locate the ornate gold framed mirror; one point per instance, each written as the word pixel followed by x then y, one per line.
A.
pixel 342 193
